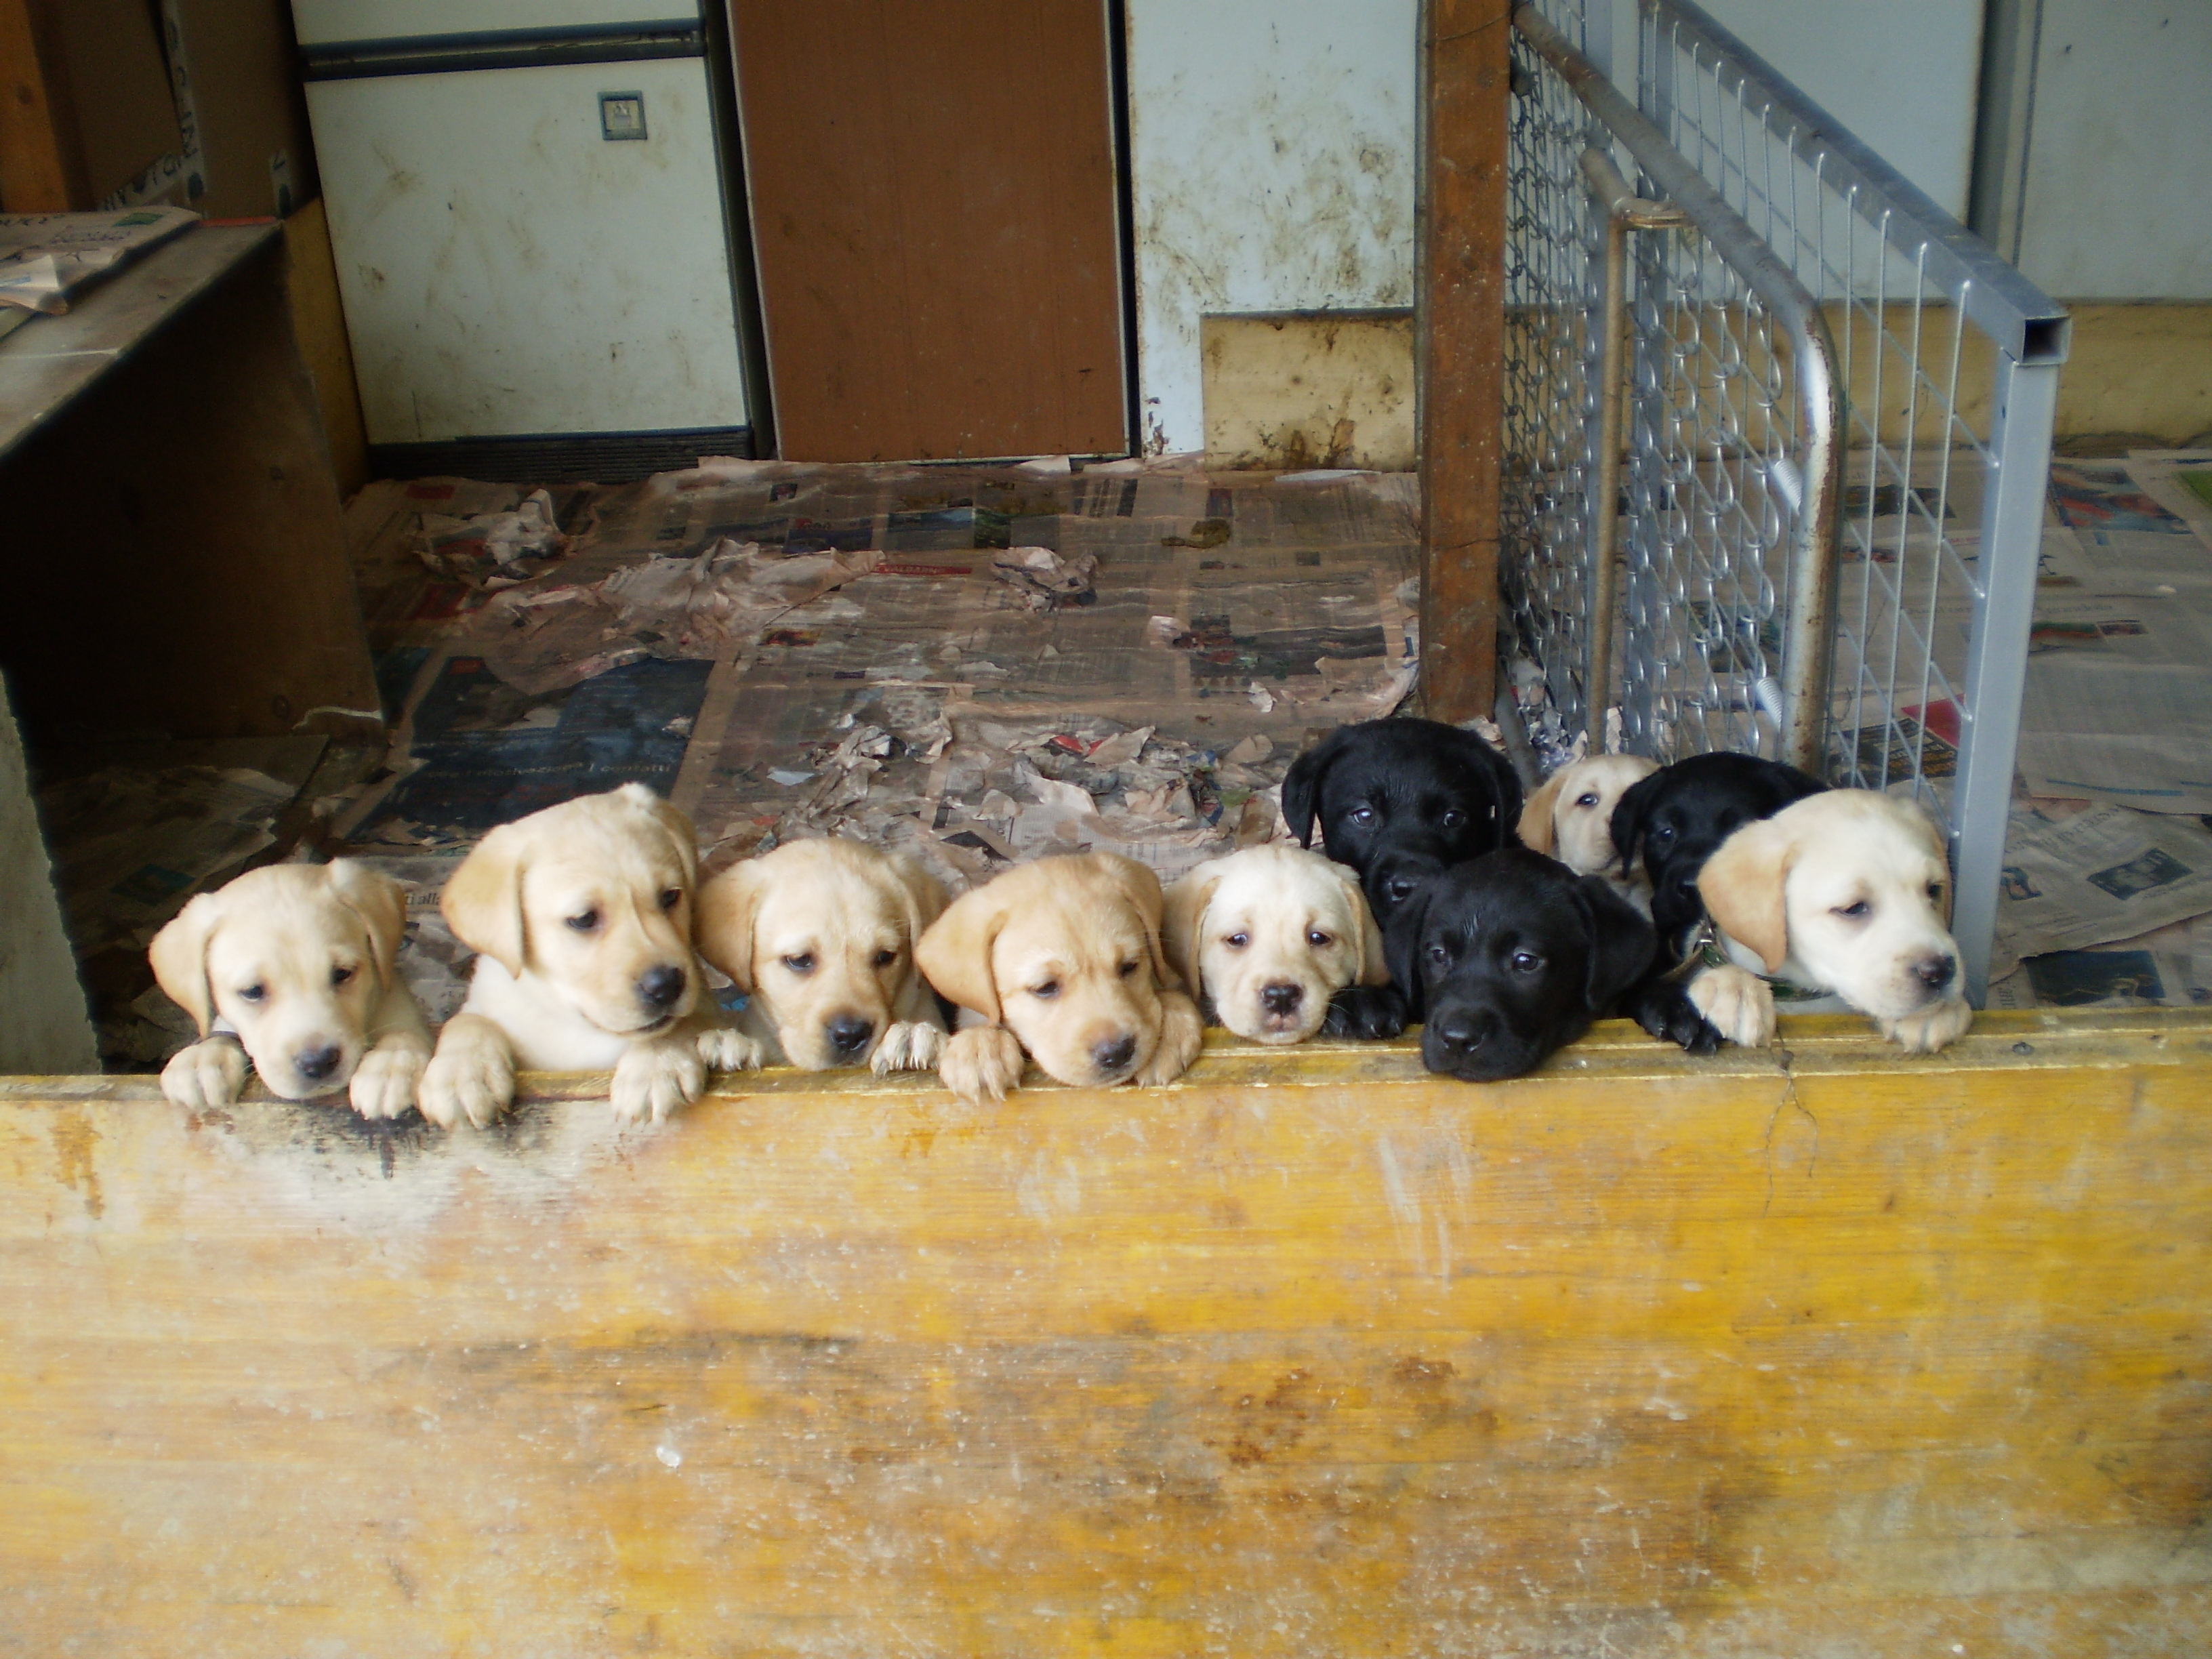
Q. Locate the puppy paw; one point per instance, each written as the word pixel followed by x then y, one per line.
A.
pixel 477 1085
pixel 1925 1033
pixel 654 1079
pixel 1365 1011
pixel 1736 1003
pixel 209 1073
pixel 980 1063
pixel 1182 1034
pixel 908 1046
pixel 385 1082
pixel 725 1050
pixel 1665 1011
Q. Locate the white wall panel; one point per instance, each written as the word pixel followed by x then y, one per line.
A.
pixel 507 269
pixel 1273 155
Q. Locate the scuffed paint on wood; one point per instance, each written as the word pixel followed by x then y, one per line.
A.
pixel 1821 1350
pixel 1290 391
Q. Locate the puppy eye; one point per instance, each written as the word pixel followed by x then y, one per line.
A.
pixel 1664 832
pixel 1935 891
pixel 1315 937
pixel 1437 953
pixel 1237 941
pixel 801 963
pixel 585 922
pixel 1362 815
pixel 1586 800
pixel 672 898
pixel 253 993
pixel 1855 911
pixel 883 959
pixel 1045 992
pixel 343 976
pixel 1527 961
pixel 1128 969
pixel 1453 819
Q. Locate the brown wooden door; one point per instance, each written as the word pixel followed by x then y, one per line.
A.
pixel 933 203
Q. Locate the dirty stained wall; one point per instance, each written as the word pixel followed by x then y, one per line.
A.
pixel 1899 73
pixel 1273 161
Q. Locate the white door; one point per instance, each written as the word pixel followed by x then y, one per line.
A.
pixel 509 269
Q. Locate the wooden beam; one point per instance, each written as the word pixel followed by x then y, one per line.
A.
pixel 1460 346
pixel 1819 1349
pixel 41 162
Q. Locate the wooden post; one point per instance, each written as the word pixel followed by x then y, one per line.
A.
pixel 41 168
pixel 1460 347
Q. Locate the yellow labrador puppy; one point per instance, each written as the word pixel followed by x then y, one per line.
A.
pixel 581 917
pixel 297 967
pixel 1061 957
pixel 1847 892
pixel 820 935
pixel 1571 817
pixel 1272 933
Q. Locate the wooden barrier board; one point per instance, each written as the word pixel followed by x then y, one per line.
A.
pixel 1820 1352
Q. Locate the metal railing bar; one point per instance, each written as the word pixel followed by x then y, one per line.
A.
pixel 1809 636
pixel 2026 322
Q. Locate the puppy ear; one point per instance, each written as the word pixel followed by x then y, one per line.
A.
pixel 1374 966
pixel 1629 814
pixel 1302 783
pixel 381 904
pixel 483 900
pixel 674 824
pixel 1183 918
pixel 1142 888
pixel 954 951
pixel 1621 942
pixel 1538 833
pixel 1742 885
pixel 924 894
pixel 722 918
pixel 179 954
pixel 1401 949
pixel 1505 784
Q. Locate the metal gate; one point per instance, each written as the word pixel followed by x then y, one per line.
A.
pixel 1777 429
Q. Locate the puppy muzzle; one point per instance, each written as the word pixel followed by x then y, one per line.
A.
pixel 1473 1044
pixel 849 1035
pixel 1114 1058
pixel 1394 879
pixel 317 1067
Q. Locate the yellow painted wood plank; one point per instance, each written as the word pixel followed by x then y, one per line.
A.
pixel 1821 1351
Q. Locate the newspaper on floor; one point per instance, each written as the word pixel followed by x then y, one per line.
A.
pixel 2104 874
pixel 132 845
pixel 539 638
pixel 2120 664
pixel 2169 967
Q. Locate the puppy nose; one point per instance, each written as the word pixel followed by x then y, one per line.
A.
pixel 1463 1031
pixel 1282 998
pixel 659 987
pixel 315 1064
pixel 849 1033
pixel 1934 972
pixel 1114 1054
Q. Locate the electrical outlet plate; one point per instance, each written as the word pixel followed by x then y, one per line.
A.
pixel 622 115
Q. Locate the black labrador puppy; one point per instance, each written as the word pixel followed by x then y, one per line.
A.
pixel 1398 800
pixel 1511 956
pixel 1676 819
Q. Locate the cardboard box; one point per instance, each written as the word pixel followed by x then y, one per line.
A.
pixel 255 154
pixel 116 80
